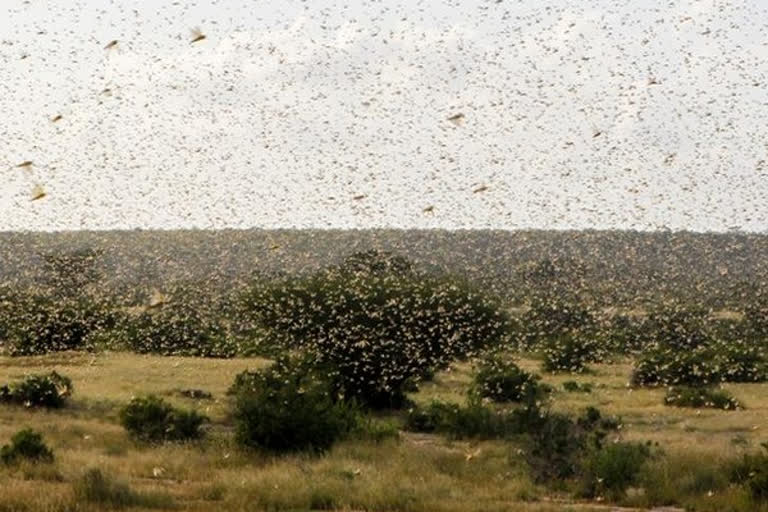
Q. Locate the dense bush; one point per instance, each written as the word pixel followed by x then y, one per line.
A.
pixel 701 397
pixel 700 366
pixel 571 354
pixel 44 324
pixel 98 488
pixel 501 380
pixel 554 443
pixel 51 390
pixel 180 327
pixel 290 406
pixel 473 421
pixel 26 444
pixel 685 352
pixel 613 468
pixel 752 472
pixel 381 331
pixel 151 419
pixel 624 334
pixel 574 387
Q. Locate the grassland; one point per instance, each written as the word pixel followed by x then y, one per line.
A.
pixel 415 472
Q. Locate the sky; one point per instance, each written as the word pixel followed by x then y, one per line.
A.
pixel 572 114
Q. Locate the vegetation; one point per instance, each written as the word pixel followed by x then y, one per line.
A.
pixel 351 347
pixel 288 407
pixel 572 386
pixel 701 397
pixel 684 353
pixel 151 419
pixel 51 390
pixel 26 444
pixel 752 472
pixel 610 470
pixel 96 487
pixel 501 380
pixel 380 331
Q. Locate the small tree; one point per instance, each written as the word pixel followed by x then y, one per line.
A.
pixel 290 406
pixel 379 331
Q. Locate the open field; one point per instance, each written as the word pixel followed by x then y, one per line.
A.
pixel 414 472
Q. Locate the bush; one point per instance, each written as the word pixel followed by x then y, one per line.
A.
pixel 50 390
pixel 625 334
pixel 502 380
pixel 26 444
pixel 474 421
pixel 613 468
pixel 572 386
pixel 288 407
pixel 380 331
pixel 571 354
pixel 43 324
pixel 752 472
pixel 182 327
pixel 151 419
pixel 684 353
pixel 701 397
pixel 700 366
pixel 556 442
pixel 96 487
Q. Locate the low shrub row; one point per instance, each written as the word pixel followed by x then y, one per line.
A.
pixel 51 390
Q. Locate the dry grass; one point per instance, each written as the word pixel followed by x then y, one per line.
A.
pixel 416 473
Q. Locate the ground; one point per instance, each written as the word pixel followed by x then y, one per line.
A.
pixel 416 472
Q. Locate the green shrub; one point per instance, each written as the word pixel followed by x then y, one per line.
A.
pixel 288 407
pixel 501 380
pixel 50 391
pixel 151 419
pixel 571 353
pixel 374 430
pixel 613 468
pixel 625 334
pixel 181 327
pixel 572 386
pixel 96 487
pixel 26 444
pixel 556 442
pixel 684 351
pixel 701 397
pixel 752 472
pixel 381 331
pixel 473 421
pixel 43 324
pixel 700 366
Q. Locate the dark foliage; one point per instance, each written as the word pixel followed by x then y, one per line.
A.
pixel 183 326
pixel 42 324
pixel 26 444
pixel 554 443
pixel 380 332
pixel 101 489
pixel 571 354
pixel 151 419
pixel 501 380
pixel 701 397
pixel 290 406
pixel 685 352
pixel 574 387
pixel 51 390
pixel 612 468
pixel 752 472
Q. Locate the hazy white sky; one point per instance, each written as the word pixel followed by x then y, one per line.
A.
pixel 288 110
